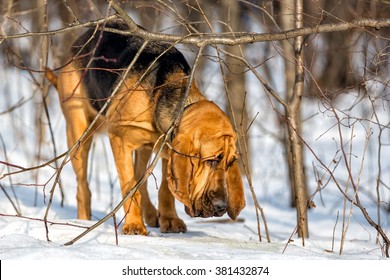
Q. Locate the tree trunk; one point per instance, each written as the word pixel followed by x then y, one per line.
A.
pixel 284 15
pixel 294 131
pixel 235 79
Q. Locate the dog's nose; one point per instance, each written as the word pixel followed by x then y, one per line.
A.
pixel 220 207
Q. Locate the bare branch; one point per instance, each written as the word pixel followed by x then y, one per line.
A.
pixel 199 39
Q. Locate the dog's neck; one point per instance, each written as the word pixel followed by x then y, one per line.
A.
pixel 167 111
pixel 187 105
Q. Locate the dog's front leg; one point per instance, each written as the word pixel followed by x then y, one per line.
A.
pixel 140 163
pixel 169 220
pixel 123 154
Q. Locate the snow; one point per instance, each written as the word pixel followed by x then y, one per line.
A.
pixel 24 238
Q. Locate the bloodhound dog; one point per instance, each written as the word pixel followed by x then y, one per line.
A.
pixel 200 166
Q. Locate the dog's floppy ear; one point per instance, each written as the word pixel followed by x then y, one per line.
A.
pixel 236 199
pixel 179 171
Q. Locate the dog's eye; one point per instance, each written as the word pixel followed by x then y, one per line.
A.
pixel 215 161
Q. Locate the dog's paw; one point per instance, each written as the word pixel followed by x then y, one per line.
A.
pixel 134 229
pixel 151 218
pixel 175 225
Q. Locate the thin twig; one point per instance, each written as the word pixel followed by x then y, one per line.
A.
pixel 42 220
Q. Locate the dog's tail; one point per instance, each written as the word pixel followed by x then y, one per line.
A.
pixel 51 77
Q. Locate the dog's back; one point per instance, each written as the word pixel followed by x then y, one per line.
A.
pixel 105 55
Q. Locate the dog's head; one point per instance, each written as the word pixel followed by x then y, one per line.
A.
pixel 203 171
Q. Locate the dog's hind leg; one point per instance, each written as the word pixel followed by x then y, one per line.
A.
pixel 150 213
pixel 79 159
pixel 74 105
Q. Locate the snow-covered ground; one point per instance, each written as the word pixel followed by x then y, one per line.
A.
pixel 207 239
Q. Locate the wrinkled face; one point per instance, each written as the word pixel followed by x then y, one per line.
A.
pixel 208 189
pixel 203 171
